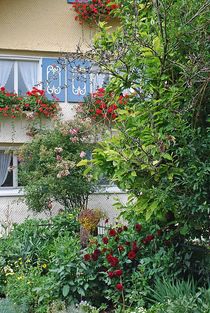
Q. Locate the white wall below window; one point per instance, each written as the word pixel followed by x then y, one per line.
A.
pixel 14 209
pixel 15 130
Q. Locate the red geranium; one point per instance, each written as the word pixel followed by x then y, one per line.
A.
pixel 92 11
pixel 99 106
pixel 118 273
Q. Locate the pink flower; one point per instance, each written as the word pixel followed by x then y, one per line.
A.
pixel 74 139
pixel 73 131
pixel 82 154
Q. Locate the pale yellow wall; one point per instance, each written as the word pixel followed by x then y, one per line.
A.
pixel 38 25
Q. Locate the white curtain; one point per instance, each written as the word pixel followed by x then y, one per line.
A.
pixel 5 70
pixel 5 160
pixel 28 72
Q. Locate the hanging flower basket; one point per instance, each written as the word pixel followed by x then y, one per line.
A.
pixel 92 11
pixel 34 104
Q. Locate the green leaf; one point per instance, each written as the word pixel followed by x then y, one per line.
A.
pixel 167 156
pixel 151 209
pixel 65 290
pixel 83 163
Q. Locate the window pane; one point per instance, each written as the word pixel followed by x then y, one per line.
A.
pixel 22 89
pixel 27 76
pixel 10 80
pixel 9 179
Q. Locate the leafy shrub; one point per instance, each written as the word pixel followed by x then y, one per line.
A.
pixel 32 242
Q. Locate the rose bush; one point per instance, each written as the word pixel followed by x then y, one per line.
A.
pixel 124 255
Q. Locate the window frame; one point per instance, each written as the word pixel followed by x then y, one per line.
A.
pixel 17 58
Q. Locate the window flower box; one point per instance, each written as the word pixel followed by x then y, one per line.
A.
pixel 34 104
pixel 93 11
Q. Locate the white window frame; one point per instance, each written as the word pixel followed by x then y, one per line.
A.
pixel 17 58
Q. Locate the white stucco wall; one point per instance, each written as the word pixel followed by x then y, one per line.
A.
pixel 13 209
pixel 15 131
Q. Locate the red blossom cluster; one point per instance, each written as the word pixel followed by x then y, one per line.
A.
pixel 93 10
pixel 34 103
pixel 99 108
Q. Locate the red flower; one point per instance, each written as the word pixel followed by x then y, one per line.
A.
pixel 159 232
pixel 110 274
pixel 94 256
pixel 147 239
pixel 97 252
pixel 118 273
pixel 99 112
pixel 134 246
pixel 112 232
pixel 131 255
pixel 105 240
pixel 119 230
pixel 138 227
pixel 121 248
pixel 119 287
pixel 113 261
pixel 87 257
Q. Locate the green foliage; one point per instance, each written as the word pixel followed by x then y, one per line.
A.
pixel 32 242
pixel 179 297
pixel 7 307
pixel 49 172
pixel 160 150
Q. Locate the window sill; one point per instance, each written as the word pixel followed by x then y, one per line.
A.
pixel 9 192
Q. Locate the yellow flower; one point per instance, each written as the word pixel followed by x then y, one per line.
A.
pixel 44 265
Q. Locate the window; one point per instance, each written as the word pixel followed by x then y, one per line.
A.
pixel 18 75
pixel 8 169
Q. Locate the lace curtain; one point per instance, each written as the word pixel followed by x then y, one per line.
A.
pixel 5 160
pixel 5 70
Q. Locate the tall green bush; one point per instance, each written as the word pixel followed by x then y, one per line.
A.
pixel 160 152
